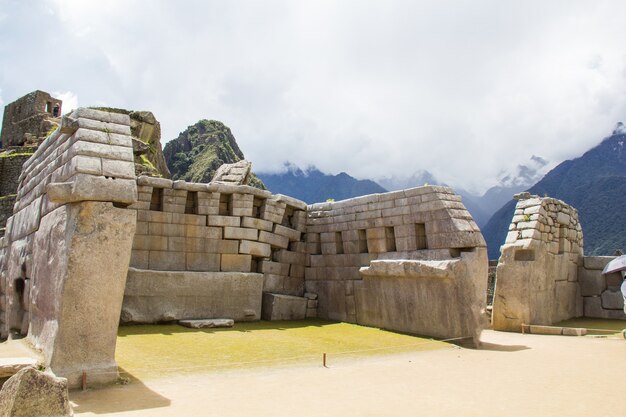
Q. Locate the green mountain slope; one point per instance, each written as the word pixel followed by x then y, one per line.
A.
pixel 595 184
pixel 200 150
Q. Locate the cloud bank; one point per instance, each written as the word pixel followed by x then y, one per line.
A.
pixel 463 89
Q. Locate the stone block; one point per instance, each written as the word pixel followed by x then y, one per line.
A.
pixel 207 323
pixel 311 304
pixel 236 263
pixel 289 257
pixel 224 221
pixel 613 281
pixel 274 283
pixel 612 300
pixel 259 249
pixel 203 262
pixel 34 393
pixel 203 231
pixel 296 271
pixel 291 234
pixel 311 313
pixel 591 281
pixel 167 261
pixel 597 262
pixel 240 233
pixel 101 115
pixel 154 182
pixel 283 307
pixel 146 243
pixel 571 331
pixel 11 366
pixel 154 296
pixel 254 223
pixel 275 240
pixel 118 169
pixel 84 187
pixel 193 219
pixel 549 330
pixel 165 229
pixel 269 267
pixel 139 259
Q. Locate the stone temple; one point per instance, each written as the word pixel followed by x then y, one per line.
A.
pixel 90 245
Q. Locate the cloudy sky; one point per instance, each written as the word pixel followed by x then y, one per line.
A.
pixel 463 89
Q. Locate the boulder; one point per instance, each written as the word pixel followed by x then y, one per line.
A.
pixel 33 393
pixel 207 323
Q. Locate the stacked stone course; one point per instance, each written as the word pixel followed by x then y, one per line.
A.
pixel 537 274
pixel 601 293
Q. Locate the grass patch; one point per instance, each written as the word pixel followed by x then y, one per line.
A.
pixel 602 324
pixel 151 351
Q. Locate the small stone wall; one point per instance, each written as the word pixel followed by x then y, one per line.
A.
pixel 408 229
pixel 536 277
pixel 67 245
pixel 216 228
pixel 602 296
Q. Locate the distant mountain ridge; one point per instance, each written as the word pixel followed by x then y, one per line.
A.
pixel 313 186
pixel 595 184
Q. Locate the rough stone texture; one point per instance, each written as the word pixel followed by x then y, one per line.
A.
pixel 80 258
pixel 31 393
pixel 534 329
pixel 602 295
pixel 283 307
pixel 207 323
pixel 30 119
pixel 159 296
pixel 237 173
pixel 537 274
pixel 11 366
pixel 443 299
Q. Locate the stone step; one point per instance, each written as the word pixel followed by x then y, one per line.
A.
pixel 206 323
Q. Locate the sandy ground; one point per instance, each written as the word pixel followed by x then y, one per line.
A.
pixel 512 375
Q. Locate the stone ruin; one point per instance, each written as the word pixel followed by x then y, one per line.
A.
pixel 543 277
pixel 90 245
pixel 30 119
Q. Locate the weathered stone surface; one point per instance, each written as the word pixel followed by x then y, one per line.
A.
pixel 237 173
pixel 444 299
pixel 80 260
pixel 571 331
pixel 593 308
pixel 553 330
pixel 31 393
pixel 597 262
pixel 612 300
pixel 91 188
pixel 591 281
pixel 10 366
pixel 155 296
pixel 283 307
pixel 206 323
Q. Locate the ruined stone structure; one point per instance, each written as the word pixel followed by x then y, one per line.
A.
pixel 89 244
pixel 542 276
pixel 30 119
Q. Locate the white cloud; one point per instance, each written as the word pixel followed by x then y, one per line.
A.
pixel 70 100
pixel 464 89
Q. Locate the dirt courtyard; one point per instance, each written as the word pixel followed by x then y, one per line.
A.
pixel 511 375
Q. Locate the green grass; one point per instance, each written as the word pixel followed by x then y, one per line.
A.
pixel 152 351
pixel 12 155
pixel 603 324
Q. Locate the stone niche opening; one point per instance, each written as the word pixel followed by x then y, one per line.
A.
pixel 226 204
pixel 420 236
pixel 524 255
pixel 156 201
pixel 456 252
pixel 191 204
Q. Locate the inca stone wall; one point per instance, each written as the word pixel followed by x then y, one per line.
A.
pixel 29 118
pixel 602 297
pixel 411 260
pixel 10 169
pixel 214 230
pixel 537 274
pixel 67 246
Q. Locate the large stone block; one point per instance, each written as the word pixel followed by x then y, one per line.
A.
pixel 258 249
pixel 81 255
pixel 612 300
pixel 34 393
pixel 155 296
pixel 597 262
pixel 283 307
pixel 236 263
pixel 591 281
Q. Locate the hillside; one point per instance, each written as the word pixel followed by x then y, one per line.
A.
pixel 313 186
pixel 595 184
pixel 200 150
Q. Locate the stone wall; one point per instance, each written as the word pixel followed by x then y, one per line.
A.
pixel 216 229
pixel 373 259
pixel 537 274
pixel 6 210
pixel 602 297
pixel 10 169
pixel 31 116
pixel 67 246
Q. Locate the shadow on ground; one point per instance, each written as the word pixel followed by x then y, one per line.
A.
pixel 117 398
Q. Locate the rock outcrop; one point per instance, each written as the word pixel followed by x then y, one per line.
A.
pixel 33 393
